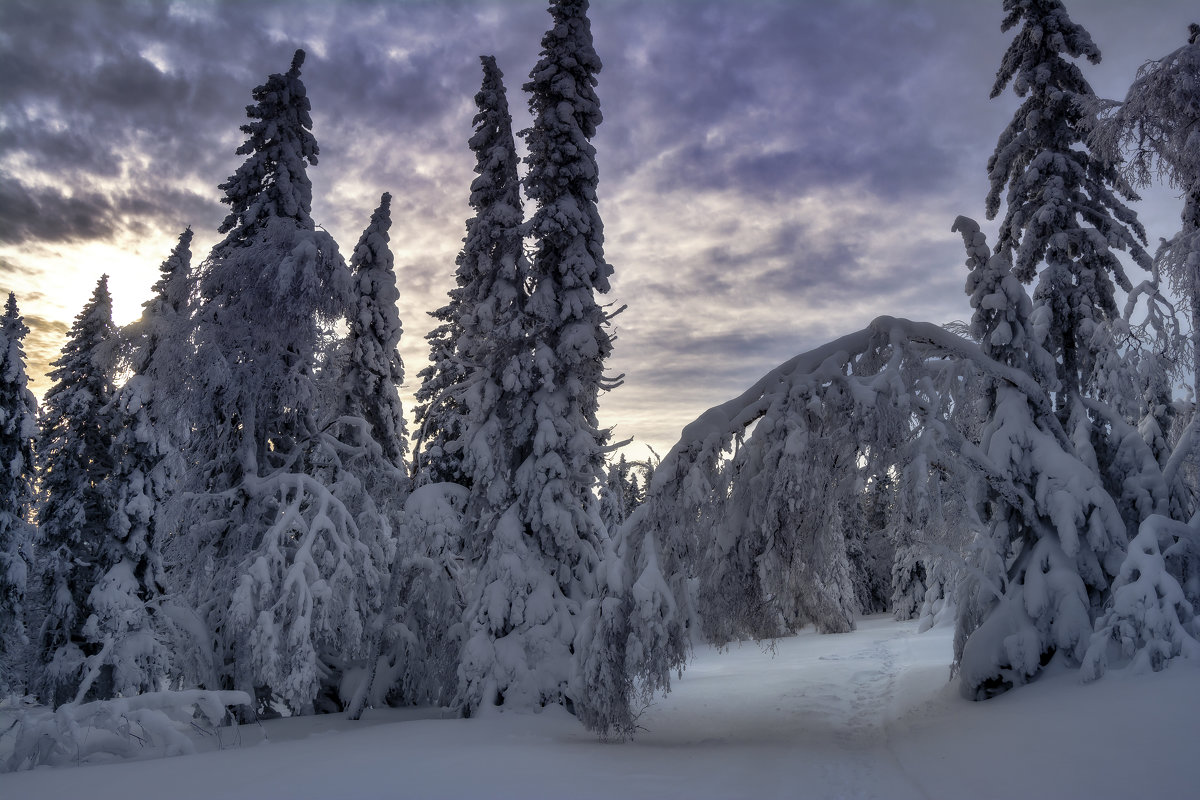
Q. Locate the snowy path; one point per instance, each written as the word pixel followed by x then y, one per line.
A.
pixel 867 714
pixel 818 713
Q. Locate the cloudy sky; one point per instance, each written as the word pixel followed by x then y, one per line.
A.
pixel 772 173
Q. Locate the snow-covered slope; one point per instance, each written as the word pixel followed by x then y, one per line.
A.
pixel 863 714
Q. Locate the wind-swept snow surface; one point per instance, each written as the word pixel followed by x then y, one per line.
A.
pixel 862 714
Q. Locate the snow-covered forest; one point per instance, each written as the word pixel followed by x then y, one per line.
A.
pixel 220 515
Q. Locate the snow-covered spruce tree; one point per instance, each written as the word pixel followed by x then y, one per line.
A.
pixel 374 370
pixel 869 547
pixel 439 415
pixel 1064 204
pixel 364 456
pixel 623 490
pixel 75 513
pixel 477 404
pixel 1149 619
pixel 1052 538
pixel 613 503
pixel 123 623
pixel 495 352
pixel 523 627
pixel 18 427
pixel 268 554
pixel 418 634
pixel 634 490
pixel 477 356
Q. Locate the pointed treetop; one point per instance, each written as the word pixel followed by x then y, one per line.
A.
pixel 567 67
pixel 273 181
pixel 87 354
pixel 497 187
pixel 374 369
pixel 10 308
pixel 1035 54
pixel 179 260
pixel 12 355
pixel 372 250
pixel 101 299
pixel 571 24
pixel 493 82
pixel 163 312
pixel 96 316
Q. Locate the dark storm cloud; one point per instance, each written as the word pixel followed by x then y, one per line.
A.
pixel 772 102
pixel 53 149
pixel 48 215
pixel 770 171
pixel 95 135
pixel 98 82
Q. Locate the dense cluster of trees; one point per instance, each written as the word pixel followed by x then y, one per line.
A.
pixel 220 497
pixel 1043 469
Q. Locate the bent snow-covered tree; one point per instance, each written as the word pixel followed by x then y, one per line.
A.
pixel 18 427
pixel 732 504
pixel 753 498
pixel 269 555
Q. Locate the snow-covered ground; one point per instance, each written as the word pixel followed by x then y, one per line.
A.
pixel 864 714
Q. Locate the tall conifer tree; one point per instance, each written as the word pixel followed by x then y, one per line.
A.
pixel 374 370
pixel 439 415
pixel 18 427
pixel 523 626
pixel 1052 537
pixel 74 453
pixel 1064 204
pixel 492 345
pixel 476 351
pixel 133 655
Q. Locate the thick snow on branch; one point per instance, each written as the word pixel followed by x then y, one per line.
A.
pixel 753 502
pixel 154 723
pixel 1148 620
